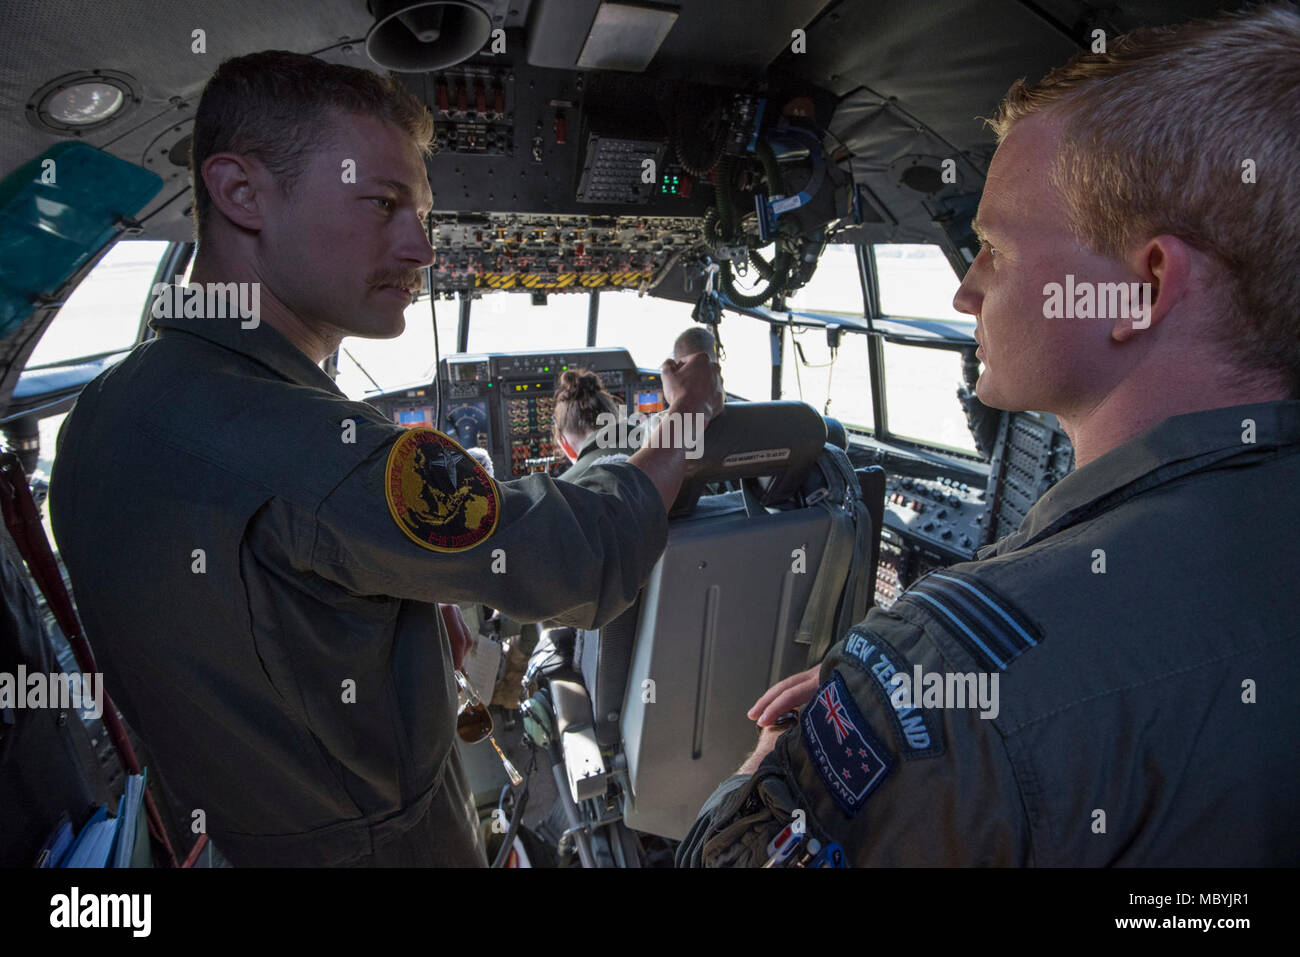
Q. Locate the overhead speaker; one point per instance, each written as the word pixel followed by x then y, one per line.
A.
pixel 415 36
pixel 923 179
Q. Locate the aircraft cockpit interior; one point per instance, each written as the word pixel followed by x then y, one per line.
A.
pixel 795 178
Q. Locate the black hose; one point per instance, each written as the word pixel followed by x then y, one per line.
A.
pixel 504 853
pixel 716 148
pixel 724 200
pixel 771 168
pixel 780 273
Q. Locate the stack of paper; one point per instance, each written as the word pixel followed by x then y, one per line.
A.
pixel 131 813
pixel 95 841
pixel 121 841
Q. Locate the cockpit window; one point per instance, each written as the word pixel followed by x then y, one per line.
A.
pixel 509 322
pixel 917 282
pixel 643 325
pixel 103 314
pixel 406 360
pixel 836 286
pixel 846 383
pixel 921 395
pixel 746 357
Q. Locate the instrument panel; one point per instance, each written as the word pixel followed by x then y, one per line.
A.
pixel 504 402
pixel 516 252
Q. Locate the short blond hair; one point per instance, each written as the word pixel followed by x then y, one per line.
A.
pixel 1156 137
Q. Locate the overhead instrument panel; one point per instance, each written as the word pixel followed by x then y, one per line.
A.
pixel 506 251
pixel 510 137
pixel 473 111
pixel 556 180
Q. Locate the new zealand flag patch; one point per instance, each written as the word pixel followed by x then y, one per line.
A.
pixel 849 758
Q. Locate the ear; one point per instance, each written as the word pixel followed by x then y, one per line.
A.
pixel 238 185
pixel 1163 266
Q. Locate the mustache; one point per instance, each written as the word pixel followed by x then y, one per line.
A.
pixel 406 278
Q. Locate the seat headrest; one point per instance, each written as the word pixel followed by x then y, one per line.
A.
pixel 780 440
pixel 836 434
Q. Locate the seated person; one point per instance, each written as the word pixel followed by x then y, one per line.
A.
pixel 695 339
pixel 481 456
pixel 692 340
pixel 586 423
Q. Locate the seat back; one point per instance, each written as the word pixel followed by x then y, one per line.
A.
pixel 722 616
pixel 770 446
pixel 716 629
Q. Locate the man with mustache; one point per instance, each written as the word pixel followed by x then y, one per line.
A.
pixel 259 561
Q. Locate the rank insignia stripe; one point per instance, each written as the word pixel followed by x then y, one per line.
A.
pixel 918 730
pixel 989 627
pixel 848 757
pixel 438 495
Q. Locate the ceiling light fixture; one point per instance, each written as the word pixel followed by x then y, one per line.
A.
pixel 79 102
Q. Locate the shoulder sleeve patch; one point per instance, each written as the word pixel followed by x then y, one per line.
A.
pixel 849 758
pixel 438 494
pixel 919 732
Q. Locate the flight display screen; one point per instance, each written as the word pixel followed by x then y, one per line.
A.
pixel 418 417
pixel 647 402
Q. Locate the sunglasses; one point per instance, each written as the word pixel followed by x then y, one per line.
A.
pixel 474 723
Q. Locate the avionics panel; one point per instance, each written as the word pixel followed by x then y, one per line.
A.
pixel 1032 454
pixel 504 402
pixel 516 393
pixel 929 523
pixel 933 519
pixel 411 407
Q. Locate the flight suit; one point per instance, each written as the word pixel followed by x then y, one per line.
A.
pixel 1143 623
pixel 599 448
pixel 256 560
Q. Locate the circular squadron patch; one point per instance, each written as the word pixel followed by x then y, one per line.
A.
pixel 438 495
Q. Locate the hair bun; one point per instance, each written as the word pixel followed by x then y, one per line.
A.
pixel 576 384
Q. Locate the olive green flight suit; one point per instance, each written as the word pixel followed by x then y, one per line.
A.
pixel 230 524
pixel 1144 625
pixel 599 448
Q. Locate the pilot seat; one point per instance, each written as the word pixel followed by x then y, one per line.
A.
pixel 770 558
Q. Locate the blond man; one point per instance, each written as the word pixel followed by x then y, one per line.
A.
pixel 1112 684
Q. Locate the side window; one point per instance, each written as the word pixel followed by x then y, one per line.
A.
pixel 103 313
pixel 917 282
pixel 403 361
pixel 835 287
